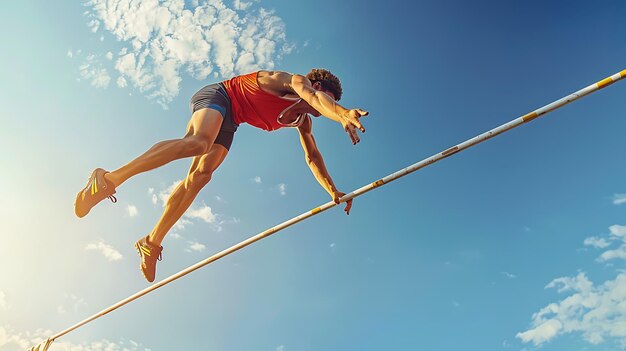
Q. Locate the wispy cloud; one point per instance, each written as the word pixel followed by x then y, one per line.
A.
pixel 619 199
pixel 257 180
pixel 164 39
pixel 74 302
pixel 202 212
pixel 282 189
pixel 107 250
pixel 509 275
pixel 597 311
pixel 165 193
pixel 12 340
pixel 132 210
pixel 598 243
pixel 153 196
pixel 196 212
pixel 93 71
pixel 195 246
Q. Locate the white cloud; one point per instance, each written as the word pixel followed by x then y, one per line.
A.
pixel 195 246
pixel 597 311
pixel 175 235
pixel 280 348
pixel 618 231
pixel 153 195
pixel 619 199
pixel 282 188
pixel 195 212
pixel 598 243
pixel 509 275
pixel 241 5
pixel 165 193
pixel 107 251
pixel 121 82
pixel 109 55
pixel 70 54
pixel 203 212
pixel 257 180
pixel 165 39
pixel 75 303
pixel 132 210
pixel 98 76
pixel 619 253
pixel 12 340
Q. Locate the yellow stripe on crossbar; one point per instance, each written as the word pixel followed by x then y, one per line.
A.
pixel 623 73
pixel 450 151
pixel 604 82
pixel 530 116
pixel 316 210
pixel 378 183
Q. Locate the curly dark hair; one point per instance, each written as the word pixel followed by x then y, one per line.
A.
pixel 328 80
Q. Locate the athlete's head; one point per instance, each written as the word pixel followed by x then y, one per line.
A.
pixel 327 81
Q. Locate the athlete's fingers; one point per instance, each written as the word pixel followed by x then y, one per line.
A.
pixel 353 135
pixel 362 112
pixel 348 207
pixel 356 121
pixel 357 124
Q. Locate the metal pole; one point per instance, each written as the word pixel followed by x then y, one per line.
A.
pixel 421 164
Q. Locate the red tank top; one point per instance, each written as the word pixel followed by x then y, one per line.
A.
pixel 254 106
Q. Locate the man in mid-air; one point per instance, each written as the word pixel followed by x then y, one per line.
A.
pixel 265 99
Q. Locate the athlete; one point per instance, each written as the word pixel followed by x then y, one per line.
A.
pixel 265 99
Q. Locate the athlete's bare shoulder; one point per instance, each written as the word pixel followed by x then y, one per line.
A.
pixel 276 82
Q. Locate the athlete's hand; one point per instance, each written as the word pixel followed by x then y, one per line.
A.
pixel 338 195
pixel 350 122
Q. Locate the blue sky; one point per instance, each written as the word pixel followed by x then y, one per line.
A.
pixel 516 244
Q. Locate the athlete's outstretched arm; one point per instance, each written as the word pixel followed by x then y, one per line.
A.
pixel 316 162
pixel 328 107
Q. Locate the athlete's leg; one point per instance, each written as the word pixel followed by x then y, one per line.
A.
pixel 203 127
pixel 201 132
pixel 199 175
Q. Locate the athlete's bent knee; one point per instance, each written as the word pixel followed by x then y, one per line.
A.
pixel 198 179
pixel 197 145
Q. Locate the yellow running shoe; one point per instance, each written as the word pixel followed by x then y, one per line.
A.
pixel 149 255
pixel 96 190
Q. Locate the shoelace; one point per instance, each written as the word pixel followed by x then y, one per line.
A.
pixel 112 198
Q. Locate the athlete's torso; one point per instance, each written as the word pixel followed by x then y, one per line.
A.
pixel 252 105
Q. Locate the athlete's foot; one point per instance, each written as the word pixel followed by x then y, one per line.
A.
pixel 96 190
pixel 149 254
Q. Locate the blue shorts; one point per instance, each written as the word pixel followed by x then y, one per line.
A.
pixel 215 97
